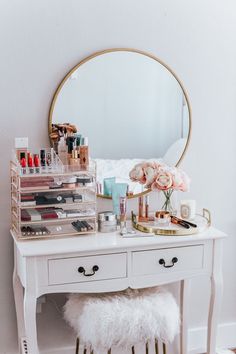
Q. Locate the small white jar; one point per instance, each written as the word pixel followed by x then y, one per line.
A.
pixel 162 219
pixel 107 221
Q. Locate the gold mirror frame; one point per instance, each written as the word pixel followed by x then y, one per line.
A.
pixel 59 88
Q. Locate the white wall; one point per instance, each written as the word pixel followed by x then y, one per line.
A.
pixel 41 40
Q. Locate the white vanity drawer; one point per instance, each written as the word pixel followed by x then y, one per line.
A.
pixel 84 269
pixel 167 260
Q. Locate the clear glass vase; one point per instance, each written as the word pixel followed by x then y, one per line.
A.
pixel 168 205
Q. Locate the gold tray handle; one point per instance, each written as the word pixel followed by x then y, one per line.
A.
pixel 207 215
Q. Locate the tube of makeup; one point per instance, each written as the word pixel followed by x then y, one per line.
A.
pixel 118 190
pixel 185 221
pixel 23 165
pixel 123 207
pixel 31 164
pixel 179 222
pixel 37 163
pixel 43 158
pixel 146 206
pixel 140 207
pixel 107 185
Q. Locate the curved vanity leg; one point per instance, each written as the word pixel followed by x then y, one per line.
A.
pixel 216 295
pixel 19 301
pixel 30 303
pixel 184 296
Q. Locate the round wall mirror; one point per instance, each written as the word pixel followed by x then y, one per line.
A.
pixel 131 106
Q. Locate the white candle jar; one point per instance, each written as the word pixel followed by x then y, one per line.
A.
pixel 188 209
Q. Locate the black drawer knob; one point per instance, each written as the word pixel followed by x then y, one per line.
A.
pixel 162 262
pixel 94 269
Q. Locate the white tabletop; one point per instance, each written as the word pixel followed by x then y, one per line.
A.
pixel 106 241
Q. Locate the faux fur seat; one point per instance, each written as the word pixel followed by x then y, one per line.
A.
pixel 123 319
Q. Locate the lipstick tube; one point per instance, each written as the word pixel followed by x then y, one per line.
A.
pixel 140 206
pixel 43 158
pixel 23 165
pixel 146 206
pixel 37 163
pixel 31 164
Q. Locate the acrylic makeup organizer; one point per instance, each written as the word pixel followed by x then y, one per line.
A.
pixel 53 201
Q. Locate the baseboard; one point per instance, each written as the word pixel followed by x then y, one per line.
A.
pixel 226 338
pixel 197 340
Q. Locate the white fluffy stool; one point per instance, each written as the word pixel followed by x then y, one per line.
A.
pixel 123 319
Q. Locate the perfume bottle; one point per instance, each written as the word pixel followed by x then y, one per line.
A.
pixel 63 151
pixel 74 160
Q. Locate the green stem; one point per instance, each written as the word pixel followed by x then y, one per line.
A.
pixel 167 203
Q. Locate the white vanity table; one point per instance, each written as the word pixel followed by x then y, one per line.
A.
pixel 51 266
pixel 145 114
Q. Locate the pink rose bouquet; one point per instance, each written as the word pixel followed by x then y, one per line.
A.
pixel 159 176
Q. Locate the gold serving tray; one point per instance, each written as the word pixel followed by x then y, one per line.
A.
pixel 202 220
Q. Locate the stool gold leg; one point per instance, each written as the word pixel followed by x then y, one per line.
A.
pixel 164 348
pixel 85 350
pixel 147 350
pixel 156 346
pixel 77 346
pixel 133 350
pixel 109 351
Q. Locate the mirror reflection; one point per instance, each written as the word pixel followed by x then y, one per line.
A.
pixel 130 106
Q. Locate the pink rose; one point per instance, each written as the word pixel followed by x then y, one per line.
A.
pixel 177 179
pixel 157 175
pixel 163 181
pixel 150 175
pixel 184 187
pixel 137 173
pixel 159 165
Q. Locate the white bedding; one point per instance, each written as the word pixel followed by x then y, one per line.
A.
pixel 119 169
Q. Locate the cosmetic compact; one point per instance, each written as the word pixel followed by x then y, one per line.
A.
pixel 162 218
pixel 69 182
pixel 107 221
pixel 84 180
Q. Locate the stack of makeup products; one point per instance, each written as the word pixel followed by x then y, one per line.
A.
pixel 59 182
pixel 82 226
pixel 28 215
pixel 108 185
pixel 43 161
pixel 161 218
pixel 43 231
pixel 34 231
pixel 73 149
pixel 49 199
